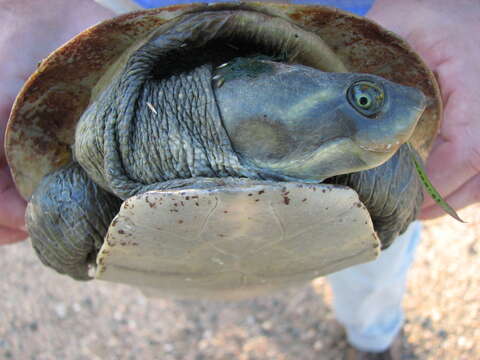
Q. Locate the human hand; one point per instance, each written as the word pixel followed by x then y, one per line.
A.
pixel 446 34
pixel 30 30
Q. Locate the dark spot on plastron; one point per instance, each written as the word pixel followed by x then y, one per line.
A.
pixel 324 191
pixel 182 193
pixel 181 203
pixel 105 252
pixel 326 208
pixel 134 244
pixel 286 200
pixel 225 212
pixel 187 197
pixel 197 204
pixel 261 192
pixel 305 199
pixel 175 204
pixel 256 200
pixel 359 205
pixel 114 222
pixel 123 243
pixel 195 197
pixel 250 194
pixel 366 222
pixel 121 231
pixel 180 221
pixel 286 193
pixel 173 210
pixel 151 204
pixel 221 235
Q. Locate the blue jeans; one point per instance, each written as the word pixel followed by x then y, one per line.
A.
pixel 368 297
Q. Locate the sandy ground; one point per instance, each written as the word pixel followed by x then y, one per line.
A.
pixel 47 316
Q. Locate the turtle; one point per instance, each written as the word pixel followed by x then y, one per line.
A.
pixel 222 150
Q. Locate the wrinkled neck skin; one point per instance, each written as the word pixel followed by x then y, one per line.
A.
pixel 143 131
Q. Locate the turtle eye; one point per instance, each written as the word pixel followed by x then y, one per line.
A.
pixel 366 97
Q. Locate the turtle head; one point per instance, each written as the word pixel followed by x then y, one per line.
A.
pixel 300 122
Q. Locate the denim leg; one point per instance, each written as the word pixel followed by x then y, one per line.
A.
pixel 368 297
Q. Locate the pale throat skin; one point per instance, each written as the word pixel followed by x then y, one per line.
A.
pixel 298 122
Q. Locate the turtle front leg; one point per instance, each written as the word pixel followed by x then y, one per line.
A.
pixel 67 218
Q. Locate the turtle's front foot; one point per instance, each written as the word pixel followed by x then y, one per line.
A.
pixel 67 218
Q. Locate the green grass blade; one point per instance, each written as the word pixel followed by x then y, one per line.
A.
pixel 422 174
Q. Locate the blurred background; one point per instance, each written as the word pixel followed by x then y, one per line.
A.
pixel 44 315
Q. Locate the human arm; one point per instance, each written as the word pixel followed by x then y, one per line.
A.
pixel 446 33
pixel 30 30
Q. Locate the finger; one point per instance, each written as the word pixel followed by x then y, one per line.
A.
pixel 12 205
pixel 466 195
pixel 10 236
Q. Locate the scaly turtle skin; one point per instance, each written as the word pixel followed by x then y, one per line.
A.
pixel 265 93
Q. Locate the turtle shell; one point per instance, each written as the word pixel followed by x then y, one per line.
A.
pixel 238 237
pixel 41 127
